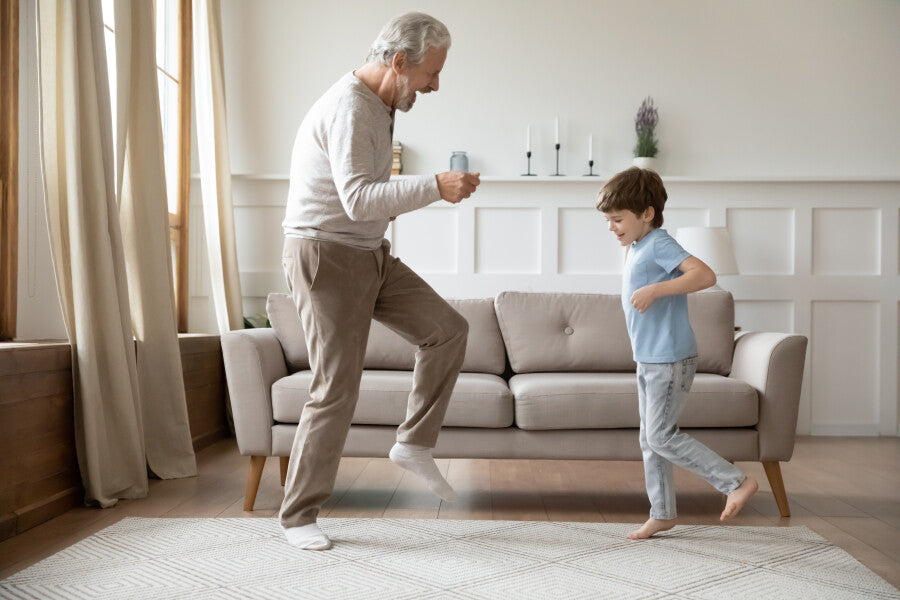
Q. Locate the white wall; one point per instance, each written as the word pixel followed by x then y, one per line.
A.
pixel 769 87
pixel 778 120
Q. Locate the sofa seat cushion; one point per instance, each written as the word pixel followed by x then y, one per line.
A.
pixel 478 400
pixel 610 400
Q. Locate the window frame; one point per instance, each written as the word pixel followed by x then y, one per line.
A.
pixel 9 167
pixel 180 231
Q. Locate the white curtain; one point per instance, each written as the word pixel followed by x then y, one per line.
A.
pixel 215 165
pixel 144 218
pixel 83 219
pixel 99 309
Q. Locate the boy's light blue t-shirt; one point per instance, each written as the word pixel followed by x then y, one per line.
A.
pixel 663 333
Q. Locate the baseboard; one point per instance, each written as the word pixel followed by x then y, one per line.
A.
pixel 845 429
pixel 7 526
pixel 208 439
pixel 25 518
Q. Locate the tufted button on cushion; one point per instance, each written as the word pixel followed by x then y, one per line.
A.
pixel 569 331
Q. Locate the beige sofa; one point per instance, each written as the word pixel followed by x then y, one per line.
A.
pixel 546 375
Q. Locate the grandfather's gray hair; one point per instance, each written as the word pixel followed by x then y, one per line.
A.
pixel 413 33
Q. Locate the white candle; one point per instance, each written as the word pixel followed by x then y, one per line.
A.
pixel 591 147
pixel 557 130
pixel 528 138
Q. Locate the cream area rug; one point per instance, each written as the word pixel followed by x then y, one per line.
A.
pixel 420 559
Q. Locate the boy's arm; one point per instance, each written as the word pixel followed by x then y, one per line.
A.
pixel 696 276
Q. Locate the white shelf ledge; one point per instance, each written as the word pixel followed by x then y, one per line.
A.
pixel 699 179
pixel 605 177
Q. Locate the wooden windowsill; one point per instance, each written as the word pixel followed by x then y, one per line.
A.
pixel 19 344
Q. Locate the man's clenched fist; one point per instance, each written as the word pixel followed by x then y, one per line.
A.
pixel 454 186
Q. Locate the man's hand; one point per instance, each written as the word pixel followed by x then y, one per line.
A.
pixel 643 298
pixel 454 186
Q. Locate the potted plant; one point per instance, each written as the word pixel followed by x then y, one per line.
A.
pixel 644 124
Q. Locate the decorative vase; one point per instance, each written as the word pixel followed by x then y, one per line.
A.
pixel 459 161
pixel 645 162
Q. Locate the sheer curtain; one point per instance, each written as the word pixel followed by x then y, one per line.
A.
pixel 105 318
pixel 144 219
pixel 215 165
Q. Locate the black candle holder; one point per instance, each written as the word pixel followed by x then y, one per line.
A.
pixel 557 174
pixel 529 173
pixel 590 172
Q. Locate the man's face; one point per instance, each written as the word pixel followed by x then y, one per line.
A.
pixel 422 78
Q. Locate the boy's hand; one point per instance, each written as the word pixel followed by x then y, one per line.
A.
pixel 643 298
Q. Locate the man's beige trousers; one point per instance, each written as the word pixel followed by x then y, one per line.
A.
pixel 338 291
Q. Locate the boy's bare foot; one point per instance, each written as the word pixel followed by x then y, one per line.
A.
pixel 738 498
pixel 651 527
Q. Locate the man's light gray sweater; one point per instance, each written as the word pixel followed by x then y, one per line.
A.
pixel 340 170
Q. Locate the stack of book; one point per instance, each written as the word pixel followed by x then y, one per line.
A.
pixel 397 165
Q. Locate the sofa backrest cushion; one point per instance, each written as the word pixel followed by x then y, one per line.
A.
pixel 712 318
pixel 484 349
pixel 285 320
pixel 386 350
pixel 547 332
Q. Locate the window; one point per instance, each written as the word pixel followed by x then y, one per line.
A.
pixel 173 65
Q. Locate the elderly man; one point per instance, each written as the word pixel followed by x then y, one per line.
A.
pixel 341 274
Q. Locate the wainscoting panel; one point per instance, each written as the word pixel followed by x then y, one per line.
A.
pixel 845 364
pixel 254 236
pixel 818 256
pixel 763 240
pixel 508 240
pixel 586 245
pixel 846 241
pixel 764 315
pixel 673 218
pixel 426 240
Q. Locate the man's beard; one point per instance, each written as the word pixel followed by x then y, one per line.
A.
pixel 406 98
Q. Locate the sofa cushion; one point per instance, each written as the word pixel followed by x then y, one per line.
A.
pixel 610 400
pixel 712 318
pixel 484 350
pixel 478 400
pixel 566 332
pixel 285 320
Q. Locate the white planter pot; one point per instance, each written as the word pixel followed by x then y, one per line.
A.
pixel 645 162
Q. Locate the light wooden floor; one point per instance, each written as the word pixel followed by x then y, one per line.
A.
pixel 846 489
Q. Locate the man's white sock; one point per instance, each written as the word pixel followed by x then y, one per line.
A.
pixel 419 460
pixel 307 537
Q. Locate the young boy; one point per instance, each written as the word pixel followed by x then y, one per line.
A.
pixel 658 273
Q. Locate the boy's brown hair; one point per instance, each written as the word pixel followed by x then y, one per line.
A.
pixel 634 189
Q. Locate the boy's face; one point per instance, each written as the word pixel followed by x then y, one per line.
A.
pixel 629 227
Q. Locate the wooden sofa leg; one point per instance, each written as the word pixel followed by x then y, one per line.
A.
pixel 283 463
pixel 773 472
pixel 253 476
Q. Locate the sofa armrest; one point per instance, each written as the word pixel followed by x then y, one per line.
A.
pixel 773 364
pixel 253 362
